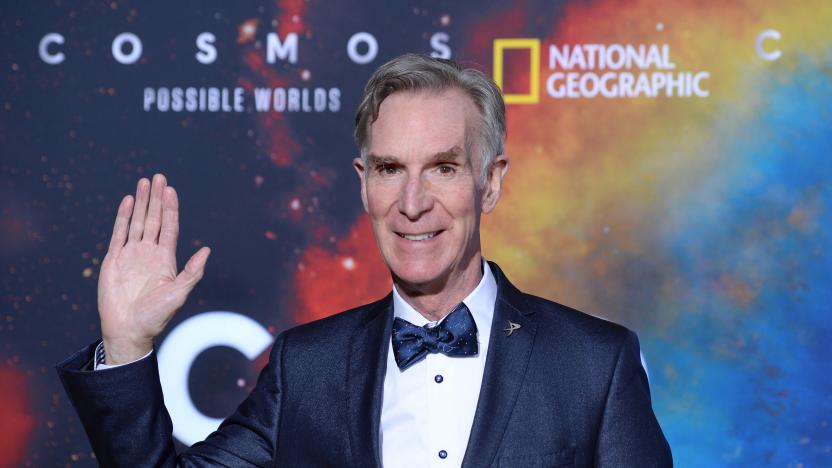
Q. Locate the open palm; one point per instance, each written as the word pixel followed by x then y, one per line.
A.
pixel 140 289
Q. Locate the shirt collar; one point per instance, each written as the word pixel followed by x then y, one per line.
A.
pixel 480 302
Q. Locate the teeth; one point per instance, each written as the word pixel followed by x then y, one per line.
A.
pixel 420 237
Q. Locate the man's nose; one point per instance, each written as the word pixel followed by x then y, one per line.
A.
pixel 415 198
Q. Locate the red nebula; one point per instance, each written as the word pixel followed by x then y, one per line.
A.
pixel 282 146
pixel 291 17
pixel 331 280
pixel 510 22
pixel 16 420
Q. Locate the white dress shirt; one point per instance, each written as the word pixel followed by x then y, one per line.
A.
pixel 428 409
pixel 98 361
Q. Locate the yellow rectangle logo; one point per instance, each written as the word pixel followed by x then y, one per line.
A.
pixel 533 45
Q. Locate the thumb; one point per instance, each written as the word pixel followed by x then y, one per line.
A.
pixel 194 269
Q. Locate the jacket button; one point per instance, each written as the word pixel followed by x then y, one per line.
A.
pixel 443 454
pixel 438 379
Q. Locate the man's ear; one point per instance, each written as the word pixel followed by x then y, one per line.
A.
pixel 494 182
pixel 358 164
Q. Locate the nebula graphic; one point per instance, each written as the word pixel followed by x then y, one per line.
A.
pixel 700 223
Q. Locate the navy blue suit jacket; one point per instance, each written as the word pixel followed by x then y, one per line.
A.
pixel 566 389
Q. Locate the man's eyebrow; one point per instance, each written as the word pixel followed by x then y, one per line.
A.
pixel 450 155
pixel 378 160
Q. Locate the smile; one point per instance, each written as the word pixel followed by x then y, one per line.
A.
pixel 419 237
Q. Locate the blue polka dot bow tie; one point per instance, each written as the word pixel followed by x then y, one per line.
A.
pixel 454 336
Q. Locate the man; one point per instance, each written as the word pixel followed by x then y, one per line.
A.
pixel 454 367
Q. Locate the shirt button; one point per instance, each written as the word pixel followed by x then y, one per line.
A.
pixel 438 379
pixel 443 454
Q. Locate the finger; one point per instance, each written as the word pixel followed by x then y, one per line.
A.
pixel 170 221
pixel 154 210
pixel 119 236
pixel 194 269
pixel 139 210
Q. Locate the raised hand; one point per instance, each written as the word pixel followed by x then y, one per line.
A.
pixel 140 288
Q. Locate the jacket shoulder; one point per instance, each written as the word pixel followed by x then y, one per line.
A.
pixel 559 322
pixel 335 329
pixel 579 326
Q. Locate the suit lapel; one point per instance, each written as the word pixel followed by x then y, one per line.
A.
pixel 365 381
pixel 505 368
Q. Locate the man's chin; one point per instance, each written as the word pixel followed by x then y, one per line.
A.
pixel 418 277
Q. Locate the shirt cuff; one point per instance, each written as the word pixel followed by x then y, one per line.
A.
pixel 100 358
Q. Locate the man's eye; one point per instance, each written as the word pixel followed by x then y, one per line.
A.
pixel 447 169
pixel 386 169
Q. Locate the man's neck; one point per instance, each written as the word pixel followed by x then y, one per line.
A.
pixel 435 301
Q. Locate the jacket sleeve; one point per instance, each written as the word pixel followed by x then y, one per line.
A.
pixel 630 435
pixel 123 413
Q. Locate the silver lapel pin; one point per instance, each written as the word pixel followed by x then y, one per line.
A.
pixel 511 327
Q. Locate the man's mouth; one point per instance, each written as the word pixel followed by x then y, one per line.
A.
pixel 419 237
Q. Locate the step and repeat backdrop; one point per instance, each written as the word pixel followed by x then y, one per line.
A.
pixel 670 171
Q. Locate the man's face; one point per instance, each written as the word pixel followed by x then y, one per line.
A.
pixel 420 187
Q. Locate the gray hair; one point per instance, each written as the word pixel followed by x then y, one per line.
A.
pixel 414 72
